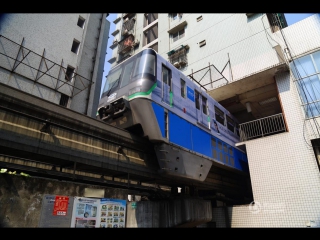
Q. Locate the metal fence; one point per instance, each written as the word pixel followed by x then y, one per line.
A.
pixel 20 60
pixel 262 127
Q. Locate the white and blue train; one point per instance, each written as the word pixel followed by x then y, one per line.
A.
pixel 191 131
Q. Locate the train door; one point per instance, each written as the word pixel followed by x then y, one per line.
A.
pixel 202 109
pixel 166 85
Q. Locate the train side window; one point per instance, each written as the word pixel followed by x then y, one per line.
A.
pixel 219 115
pixel 204 105
pixel 230 123
pixel 166 73
pixel 197 99
pixel 126 74
pixel 230 151
pixel 183 88
pixel 213 142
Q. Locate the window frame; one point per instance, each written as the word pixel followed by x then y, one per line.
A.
pixel 178 34
pixel 217 115
pixel 183 88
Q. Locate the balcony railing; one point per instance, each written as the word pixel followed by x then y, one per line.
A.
pixel 18 59
pixel 262 127
pixel 127 27
pixel 126 44
pixel 179 58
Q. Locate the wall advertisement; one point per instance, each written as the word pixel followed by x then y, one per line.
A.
pixel 98 213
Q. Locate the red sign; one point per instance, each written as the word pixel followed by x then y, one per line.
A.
pixel 60 206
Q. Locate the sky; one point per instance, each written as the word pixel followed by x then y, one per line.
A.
pixel 290 17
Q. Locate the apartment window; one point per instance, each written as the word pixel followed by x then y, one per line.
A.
pixel 183 88
pixel 197 99
pixel 177 35
pixel 202 43
pixel 75 46
pixel 199 18
pixel 150 35
pixel 204 105
pixel 219 114
pixel 64 99
pixel 175 16
pixel 306 72
pixel 149 18
pixel 277 21
pixel 69 73
pixel 81 21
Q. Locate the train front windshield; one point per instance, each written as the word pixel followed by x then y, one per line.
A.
pixel 140 66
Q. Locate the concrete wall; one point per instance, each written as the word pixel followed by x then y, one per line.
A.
pixel 21 197
pixel 184 212
pixel 244 38
pixel 52 36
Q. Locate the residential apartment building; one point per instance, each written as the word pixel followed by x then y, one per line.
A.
pixel 56 57
pixel 267 75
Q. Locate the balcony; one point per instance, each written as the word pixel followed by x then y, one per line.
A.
pixel 178 58
pixel 127 15
pixel 127 27
pixel 262 127
pixel 126 44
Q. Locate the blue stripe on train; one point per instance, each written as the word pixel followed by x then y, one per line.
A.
pixel 187 135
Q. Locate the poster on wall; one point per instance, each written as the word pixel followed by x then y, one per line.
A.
pixel 60 206
pixel 112 213
pixel 85 213
pixel 56 211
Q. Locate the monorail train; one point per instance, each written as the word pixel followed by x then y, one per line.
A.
pixel 191 131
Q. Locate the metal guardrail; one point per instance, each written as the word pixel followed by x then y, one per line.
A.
pixel 262 127
pixel 127 27
pixel 18 59
pixel 126 44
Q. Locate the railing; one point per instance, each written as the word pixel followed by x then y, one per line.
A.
pixel 126 44
pixel 20 60
pixel 127 27
pixel 262 127
pixel 179 57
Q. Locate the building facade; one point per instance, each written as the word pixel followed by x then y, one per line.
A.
pixel 271 84
pixel 56 57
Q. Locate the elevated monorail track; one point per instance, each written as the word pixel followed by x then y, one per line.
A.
pixel 44 139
